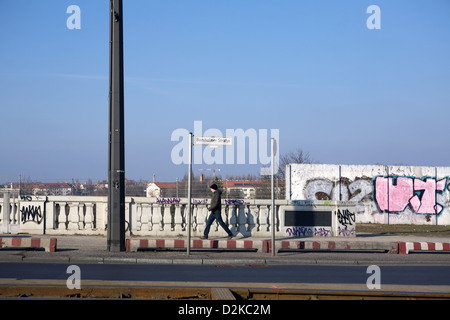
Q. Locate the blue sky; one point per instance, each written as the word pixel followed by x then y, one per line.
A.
pixel 312 69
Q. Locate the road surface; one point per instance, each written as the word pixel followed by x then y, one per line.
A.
pixel 244 275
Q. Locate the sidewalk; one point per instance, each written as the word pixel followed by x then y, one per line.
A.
pixel 92 249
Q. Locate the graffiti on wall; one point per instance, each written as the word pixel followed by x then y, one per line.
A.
pixel 345 217
pixel 389 194
pixel 346 223
pixel 31 214
pixel 30 211
pixel 395 193
pixel 301 231
pixel 325 189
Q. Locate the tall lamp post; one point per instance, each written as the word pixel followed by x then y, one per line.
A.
pixel 116 151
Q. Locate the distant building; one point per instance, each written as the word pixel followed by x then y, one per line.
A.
pixel 232 189
pixel 242 189
pixel 161 189
pixel 44 188
pixel 245 189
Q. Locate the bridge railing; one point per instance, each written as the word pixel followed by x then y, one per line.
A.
pixel 167 217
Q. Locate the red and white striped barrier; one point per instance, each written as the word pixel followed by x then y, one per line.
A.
pixel 227 244
pixel 262 245
pixel 407 246
pixel 135 244
pixel 265 245
pixel 48 244
pixel 390 247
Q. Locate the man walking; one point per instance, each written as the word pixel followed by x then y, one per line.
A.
pixel 216 214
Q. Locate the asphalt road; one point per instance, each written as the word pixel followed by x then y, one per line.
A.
pixel 332 274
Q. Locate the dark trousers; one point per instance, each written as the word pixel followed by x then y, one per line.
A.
pixel 216 216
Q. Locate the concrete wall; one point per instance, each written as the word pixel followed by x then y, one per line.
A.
pixel 383 194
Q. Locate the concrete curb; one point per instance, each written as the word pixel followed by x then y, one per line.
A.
pixel 264 246
pixel 209 261
pixel 133 245
pixel 390 247
pixel 48 244
pixel 406 247
pixel 90 250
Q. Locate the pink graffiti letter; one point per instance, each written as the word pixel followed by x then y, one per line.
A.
pixel 398 196
pixel 427 203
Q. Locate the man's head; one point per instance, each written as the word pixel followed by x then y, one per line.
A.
pixel 213 187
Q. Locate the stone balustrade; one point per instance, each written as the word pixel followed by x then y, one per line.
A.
pixel 167 217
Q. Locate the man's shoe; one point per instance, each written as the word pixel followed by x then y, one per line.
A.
pixel 230 237
pixel 203 238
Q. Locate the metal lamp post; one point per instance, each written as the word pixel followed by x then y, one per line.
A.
pixel 116 152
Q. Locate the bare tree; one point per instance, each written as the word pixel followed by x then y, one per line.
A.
pixel 298 156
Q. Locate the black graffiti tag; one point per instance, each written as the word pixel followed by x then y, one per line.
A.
pixel 345 217
pixel 31 213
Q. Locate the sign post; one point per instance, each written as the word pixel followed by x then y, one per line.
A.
pixel 189 211
pixel 213 142
pixel 273 147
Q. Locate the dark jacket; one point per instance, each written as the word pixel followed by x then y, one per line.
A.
pixel 216 202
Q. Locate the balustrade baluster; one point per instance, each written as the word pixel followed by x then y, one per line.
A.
pixel 150 217
pixel 81 214
pixel 263 219
pixel 89 217
pixel 201 218
pixel 241 219
pixel 62 216
pixel 138 209
pixel 251 219
pixel 178 219
pixel 145 217
pixel 194 217
pixel 157 218
pixel 232 215
pixel 73 217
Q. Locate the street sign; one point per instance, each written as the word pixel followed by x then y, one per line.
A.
pixel 213 141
